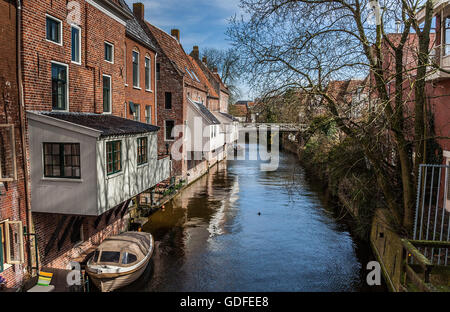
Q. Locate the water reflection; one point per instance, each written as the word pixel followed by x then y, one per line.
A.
pixel 241 229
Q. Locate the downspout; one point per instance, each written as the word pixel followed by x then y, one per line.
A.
pixel 156 92
pixel 23 139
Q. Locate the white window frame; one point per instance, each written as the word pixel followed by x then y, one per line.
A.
pixel 61 36
pixel 148 58
pixel 138 86
pixel 68 86
pixel 7 258
pixel 110 94
pixel 137 112
pixel 146 113
pixel 165 130
pixel 13 154
pixel 79 42
pixel 112 50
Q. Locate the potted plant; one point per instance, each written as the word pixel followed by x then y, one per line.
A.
pixel 2 283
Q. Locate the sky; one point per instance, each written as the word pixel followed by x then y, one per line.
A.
pixel 201 22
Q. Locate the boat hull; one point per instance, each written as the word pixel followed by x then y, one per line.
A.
pixel 114 281
pixel 117 278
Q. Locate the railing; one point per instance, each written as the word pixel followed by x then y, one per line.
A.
pixel 416 264
pixel 427 253
pixel 432 217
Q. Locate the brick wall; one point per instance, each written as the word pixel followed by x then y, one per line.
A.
pixel 85 95
pixel 12 194
pixel 139 96
pixel 85 80
pixel 170 81
pixel 56 230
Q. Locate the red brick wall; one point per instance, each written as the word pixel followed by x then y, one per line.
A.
pixel 170 81
pixel 140 96
pixel 12 194
pixel 60 255
pixel 85 80
pixel 85 95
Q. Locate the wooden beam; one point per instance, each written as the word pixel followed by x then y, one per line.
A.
pixel 432 244
pixel 425 263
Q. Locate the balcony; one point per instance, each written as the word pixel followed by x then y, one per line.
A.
pixel 440 56
pixel 88 164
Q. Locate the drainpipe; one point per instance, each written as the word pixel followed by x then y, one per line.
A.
pixel 156 92
pixel 22 136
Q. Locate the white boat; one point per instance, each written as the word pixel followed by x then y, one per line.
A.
pixel 120 260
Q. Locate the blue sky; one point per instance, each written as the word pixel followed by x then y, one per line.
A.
pixel 201 22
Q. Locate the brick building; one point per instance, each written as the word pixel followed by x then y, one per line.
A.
pixel 87 161
pixel 139 71
pixel 178 82
pixel 15 258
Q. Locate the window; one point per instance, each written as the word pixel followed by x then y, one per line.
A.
pixel 59 87
pixel 128 258
pixel 158 71
pixel 110 257
pixel 114 156
pixel 169 125
pixel 190 75
pixel 109 52
pixel 137 112
pixel 168 100
pixel 148 114
pixel 106 94
pixel 11 243
pixel 54 30
pixel 147 74
pixel 62 160
pixel 8 165
pixel 142 151
pixel 135 69
pixel 76 44
pixel 447 36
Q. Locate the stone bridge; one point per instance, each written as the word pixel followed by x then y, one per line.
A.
pixel 282 127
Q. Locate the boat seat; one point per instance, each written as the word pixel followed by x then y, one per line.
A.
pixel 43 284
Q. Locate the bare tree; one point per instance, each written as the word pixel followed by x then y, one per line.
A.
pixel 227 64
pixel 306 44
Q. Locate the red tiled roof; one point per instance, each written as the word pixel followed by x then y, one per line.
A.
pixel 202 77
pixel 175 52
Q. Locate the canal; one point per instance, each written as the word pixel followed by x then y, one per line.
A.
pixel 242 229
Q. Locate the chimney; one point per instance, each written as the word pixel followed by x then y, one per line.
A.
pixel 215 71
pixel 398 25
pixel 205 60
pixel 139 10
pixel 195 53
pixel 175 33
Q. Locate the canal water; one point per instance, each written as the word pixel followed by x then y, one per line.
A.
pixel 242 229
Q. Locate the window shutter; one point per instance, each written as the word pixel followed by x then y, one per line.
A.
pixel 132 107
